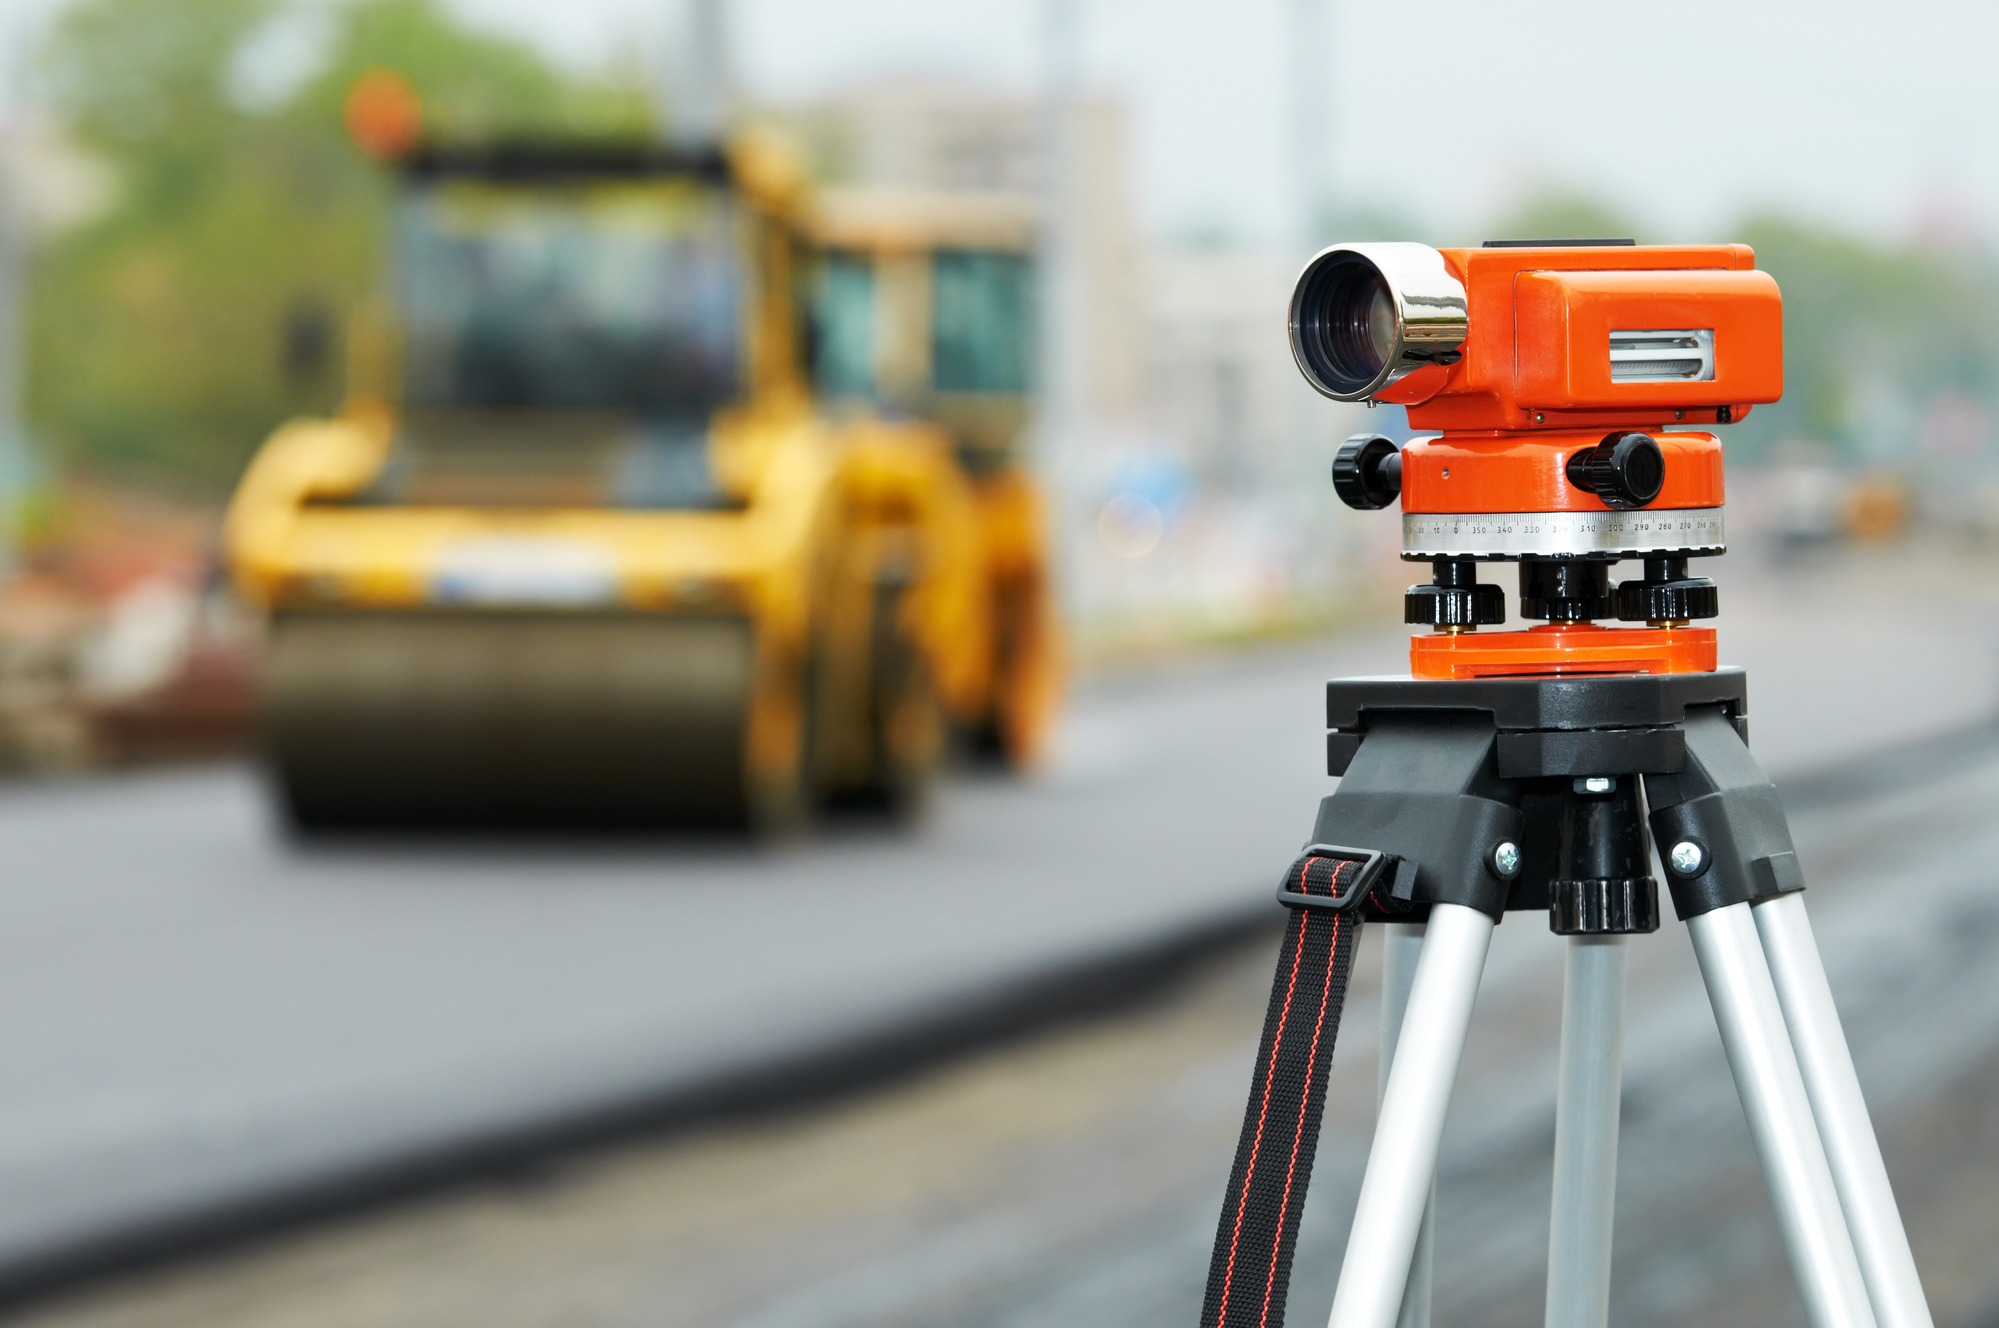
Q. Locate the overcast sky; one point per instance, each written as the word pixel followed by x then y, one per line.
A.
pixel 1875 118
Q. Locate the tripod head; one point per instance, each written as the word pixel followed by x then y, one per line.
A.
pixel 1566 380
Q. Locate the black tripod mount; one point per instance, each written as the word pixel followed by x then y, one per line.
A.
pixel 1503 794
pixel 1461 800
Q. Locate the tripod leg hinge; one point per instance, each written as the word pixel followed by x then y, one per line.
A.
pixel 1374 865
pixel 1720 825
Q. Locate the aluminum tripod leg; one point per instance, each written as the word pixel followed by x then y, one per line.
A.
pixel 1402 1162
pixel 1879 1239
pixel 1773 1096
pixel 1401 946
pixel 1586 1112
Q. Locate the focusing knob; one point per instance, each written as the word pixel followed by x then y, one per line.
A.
pixel 1367 472
pixel 1624 471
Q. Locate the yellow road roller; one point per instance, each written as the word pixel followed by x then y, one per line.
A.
pixel 669 489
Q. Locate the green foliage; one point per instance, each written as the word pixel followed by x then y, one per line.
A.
pixel 1561 215
pixel 1371 223
pixel 172 334
pixel 1863 354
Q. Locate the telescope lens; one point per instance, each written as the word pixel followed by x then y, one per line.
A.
pixel 1344 324
pixel 1364 315
pixel 1376 333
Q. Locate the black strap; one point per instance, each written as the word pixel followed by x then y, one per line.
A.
pixel 1251 1270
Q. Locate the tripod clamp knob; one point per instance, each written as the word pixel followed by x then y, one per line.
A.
pixel 1367 471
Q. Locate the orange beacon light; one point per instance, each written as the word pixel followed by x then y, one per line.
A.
pixel 1568 381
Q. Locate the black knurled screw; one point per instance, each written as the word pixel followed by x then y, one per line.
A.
pixel 1454 599
pixel 1667 594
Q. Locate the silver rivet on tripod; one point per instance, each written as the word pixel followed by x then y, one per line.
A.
pixel 1686 859
pixel 1506 860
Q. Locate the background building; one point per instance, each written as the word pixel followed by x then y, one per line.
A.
pixel 1187 467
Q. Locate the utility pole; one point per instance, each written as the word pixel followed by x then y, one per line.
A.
pixel 1310 128
pixel 703 93
pixel 13 320
pixel 13 281
pixel 1060 406
pixel 1312 429
pixel 1062 228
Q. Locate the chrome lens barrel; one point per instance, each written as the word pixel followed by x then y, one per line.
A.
pixel 1365 315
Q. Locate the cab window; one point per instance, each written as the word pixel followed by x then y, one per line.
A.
pixel 843 327
pixel 980 322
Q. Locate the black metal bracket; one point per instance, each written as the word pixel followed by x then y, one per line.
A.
pixel 1723 804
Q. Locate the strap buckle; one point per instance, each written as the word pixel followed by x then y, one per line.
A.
pixel 1373 864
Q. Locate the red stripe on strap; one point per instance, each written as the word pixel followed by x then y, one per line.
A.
pixel 1263 1111
pixel 1304 1101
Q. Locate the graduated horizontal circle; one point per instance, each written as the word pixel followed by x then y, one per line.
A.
pixel 1689 530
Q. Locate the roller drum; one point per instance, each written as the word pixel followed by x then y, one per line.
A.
pixel 524 717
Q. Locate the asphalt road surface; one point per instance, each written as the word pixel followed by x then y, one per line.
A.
pixel 202 1016
pixel 1073 1177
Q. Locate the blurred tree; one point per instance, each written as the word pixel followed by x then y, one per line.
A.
pixel 1865 347
pixel 1563 215
pixel 172 334
pixel 1372 223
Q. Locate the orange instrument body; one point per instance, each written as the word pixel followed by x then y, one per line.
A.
pixel 1564 648
pixel 1515 472
pixel 1541 317
pixel 1537 382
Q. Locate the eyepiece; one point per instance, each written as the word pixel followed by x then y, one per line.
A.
pixel 1365 315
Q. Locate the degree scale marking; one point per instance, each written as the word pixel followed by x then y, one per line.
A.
pixel 1511 534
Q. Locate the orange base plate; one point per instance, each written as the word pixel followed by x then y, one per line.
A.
pixel 1564 648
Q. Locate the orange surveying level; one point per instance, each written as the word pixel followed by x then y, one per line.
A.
pixel 1570 385
pixel 1570 382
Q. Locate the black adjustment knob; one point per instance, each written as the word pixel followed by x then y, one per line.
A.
pixel 1605 906
pixel 1564 589
pixel 1452 606
pixel 1625 470
pixel 1667 594
pixel 1601 884
pixel 1367 472
pixel 1454 600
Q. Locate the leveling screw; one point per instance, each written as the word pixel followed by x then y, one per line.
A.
pixel 1686 859
pixel 1506 860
